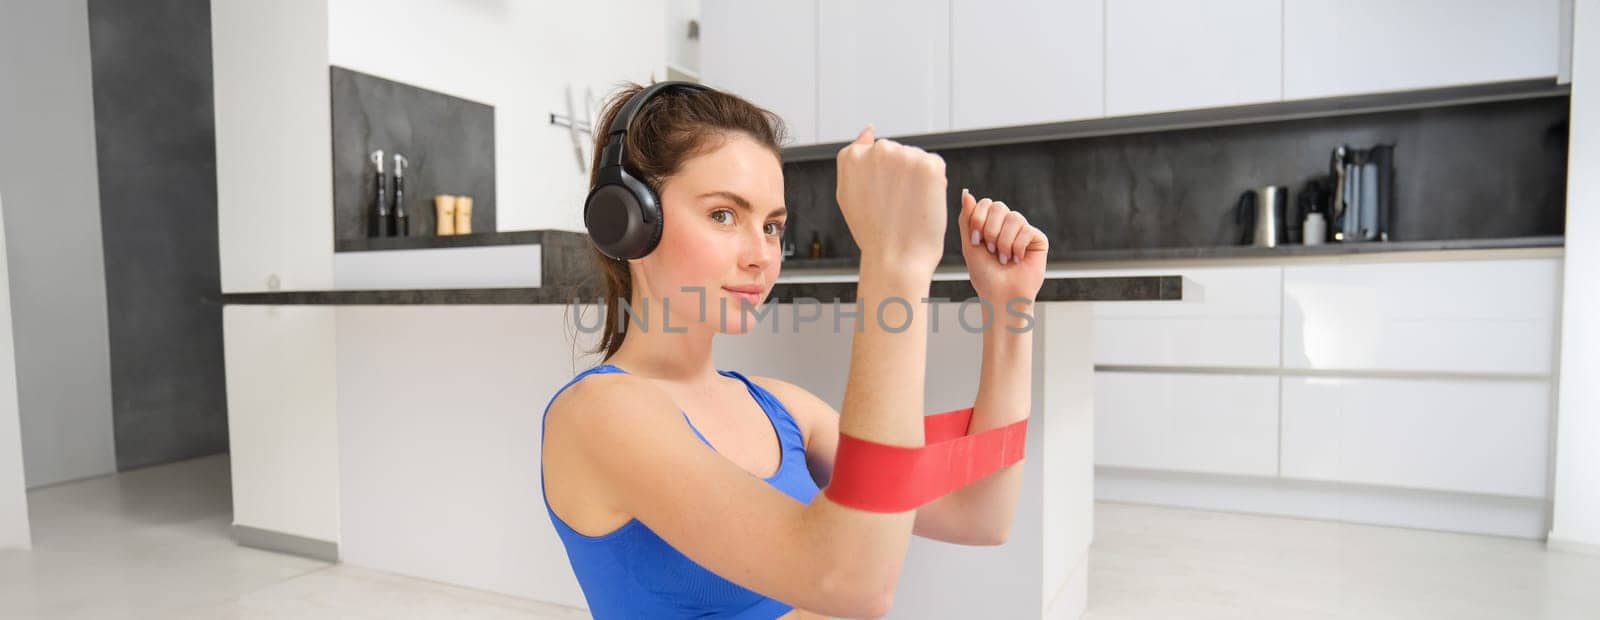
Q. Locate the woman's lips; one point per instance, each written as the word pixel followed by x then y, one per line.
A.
pixel 754 298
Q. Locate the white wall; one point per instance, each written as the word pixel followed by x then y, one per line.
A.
pixel 274 133
pixel 518 57
pixel 274 144
pixel 50 178
pixel 13 487
pixel 1576 524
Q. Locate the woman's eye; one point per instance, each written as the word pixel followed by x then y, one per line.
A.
pixel 727 211
pixel 775 228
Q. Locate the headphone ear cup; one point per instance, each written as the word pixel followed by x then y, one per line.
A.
pixel 623 215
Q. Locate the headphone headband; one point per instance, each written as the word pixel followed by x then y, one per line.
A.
pixel 612 154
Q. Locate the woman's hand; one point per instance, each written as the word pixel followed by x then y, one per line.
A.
pixel 893 199
pixel 1005 255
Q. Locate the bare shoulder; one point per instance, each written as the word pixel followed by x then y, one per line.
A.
pixel 595 433
pixel 602 404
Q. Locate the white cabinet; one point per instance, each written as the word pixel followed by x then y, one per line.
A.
pixel 911 67
pixel 886 63
pixel 283 430
pixel 1462 316
pixel 1345 47
pixel 1198 423
pixel 1015 62
pixel 1447 435
pixel 1165 55
pixel 766 52
pixel 1230 317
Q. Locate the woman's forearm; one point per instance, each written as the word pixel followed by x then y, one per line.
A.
pixel 1005 375
pixel 888 357
pixel 1005 390
pixel 882 403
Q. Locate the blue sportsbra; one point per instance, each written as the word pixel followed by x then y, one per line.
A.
pixel 631 572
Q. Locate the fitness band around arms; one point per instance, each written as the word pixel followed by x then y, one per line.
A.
pixel 877 477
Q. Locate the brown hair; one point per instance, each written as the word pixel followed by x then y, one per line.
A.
pixel 672 127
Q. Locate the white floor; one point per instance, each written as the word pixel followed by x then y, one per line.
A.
pixel 154 544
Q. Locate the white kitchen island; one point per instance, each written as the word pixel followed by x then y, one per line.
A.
pixel 399 430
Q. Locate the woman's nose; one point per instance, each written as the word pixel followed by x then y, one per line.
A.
pixel 757 250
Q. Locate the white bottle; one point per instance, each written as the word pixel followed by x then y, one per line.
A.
pixel 1314 230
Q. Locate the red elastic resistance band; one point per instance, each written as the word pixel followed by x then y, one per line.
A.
pixel 941 427
pixel 882 478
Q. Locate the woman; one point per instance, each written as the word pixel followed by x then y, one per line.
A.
pixel 684 490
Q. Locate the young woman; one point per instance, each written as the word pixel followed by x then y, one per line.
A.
pixel 682 490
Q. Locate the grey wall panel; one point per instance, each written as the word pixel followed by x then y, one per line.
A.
pixel 52 215
pixel 158 214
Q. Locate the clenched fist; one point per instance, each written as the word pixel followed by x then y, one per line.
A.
pixel 1005 254
pixel 893 199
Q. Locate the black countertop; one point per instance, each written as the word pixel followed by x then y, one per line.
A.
pixel 1143 288
pixel 429 242
pixel 568 272
pixel 570 238
pixel 1061 255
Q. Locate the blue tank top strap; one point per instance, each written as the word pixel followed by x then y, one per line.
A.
pixel 782 419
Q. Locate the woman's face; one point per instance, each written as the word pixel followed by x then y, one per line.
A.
pixel 723 219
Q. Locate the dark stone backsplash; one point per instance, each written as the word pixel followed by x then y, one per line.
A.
pixel 1478 171
pixel 448 140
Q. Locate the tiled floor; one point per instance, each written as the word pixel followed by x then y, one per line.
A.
pixel 154 543
pixel 1150 562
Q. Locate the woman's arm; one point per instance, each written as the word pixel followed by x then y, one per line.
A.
pixel 616 444
pixel 1005 257
pixel 980 513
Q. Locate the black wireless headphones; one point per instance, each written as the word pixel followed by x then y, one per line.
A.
pixel 622 213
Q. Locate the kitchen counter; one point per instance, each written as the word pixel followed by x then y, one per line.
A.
pixel 576 240
pixel 356 415
pixel 428 242
pixel 1067 257
pixel 1147 288
pixel 567 272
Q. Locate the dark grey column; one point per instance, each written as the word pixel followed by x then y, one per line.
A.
pixel 158 213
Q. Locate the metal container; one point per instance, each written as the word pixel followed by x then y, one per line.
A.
pixel 1262 214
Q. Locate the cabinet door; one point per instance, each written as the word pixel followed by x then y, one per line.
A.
pixel 1017 62
pixel 1230 317
pixel 886 63
pixel 766 52
pixel 281 364
pixel 1447 435
pixel 1187 422
pixel 1493 316
pixel 1346 47
pixel 1164 55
